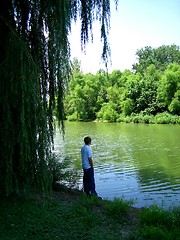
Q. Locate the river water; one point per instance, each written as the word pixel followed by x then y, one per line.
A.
pixel 131 161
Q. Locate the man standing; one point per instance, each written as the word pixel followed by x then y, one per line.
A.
pixel 87 165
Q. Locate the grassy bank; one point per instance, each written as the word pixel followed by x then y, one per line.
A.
pixel 71 215
pixel 161 118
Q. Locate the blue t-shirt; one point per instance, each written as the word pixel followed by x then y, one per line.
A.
pixel 86 152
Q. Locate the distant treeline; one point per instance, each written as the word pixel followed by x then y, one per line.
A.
pixel 149 93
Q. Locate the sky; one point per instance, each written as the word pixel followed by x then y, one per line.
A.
pixel 136 24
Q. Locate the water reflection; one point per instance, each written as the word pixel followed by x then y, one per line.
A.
pixel 139 162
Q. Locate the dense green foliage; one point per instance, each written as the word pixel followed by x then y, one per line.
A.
pixel 80 217
pixel 34 68
pixel 154 88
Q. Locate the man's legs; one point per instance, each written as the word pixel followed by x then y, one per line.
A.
pixel 92 182
pixel 89 182
pixel 86 181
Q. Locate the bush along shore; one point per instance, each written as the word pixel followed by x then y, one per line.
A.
pixel 160 118
pixel 69 214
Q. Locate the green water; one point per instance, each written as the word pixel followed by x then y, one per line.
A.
pixel 133 161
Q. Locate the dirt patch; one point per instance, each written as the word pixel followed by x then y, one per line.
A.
pixel 68 195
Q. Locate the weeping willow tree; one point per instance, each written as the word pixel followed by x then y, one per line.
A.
pixel 34 68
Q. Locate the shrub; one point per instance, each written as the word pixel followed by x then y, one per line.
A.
pixel 150 233
pixel 73 117
pixel 108 112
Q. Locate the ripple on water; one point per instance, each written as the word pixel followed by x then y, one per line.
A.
pixel 118 180
pixel 135 161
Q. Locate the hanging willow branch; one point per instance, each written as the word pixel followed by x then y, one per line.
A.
pixel 34 68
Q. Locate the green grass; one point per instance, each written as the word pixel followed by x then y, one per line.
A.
pixel 156 223
pixel 84 218
pixel 118 210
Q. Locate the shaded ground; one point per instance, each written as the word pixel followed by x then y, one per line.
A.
pixel 68 214
pixel 130 224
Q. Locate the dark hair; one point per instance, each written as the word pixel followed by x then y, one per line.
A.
pixel 87 140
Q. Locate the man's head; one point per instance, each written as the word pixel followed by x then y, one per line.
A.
pixel 87 140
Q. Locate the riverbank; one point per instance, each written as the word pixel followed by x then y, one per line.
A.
pixel 69 214
pixel 160 118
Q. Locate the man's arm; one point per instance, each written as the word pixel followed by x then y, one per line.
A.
pixel 90 161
